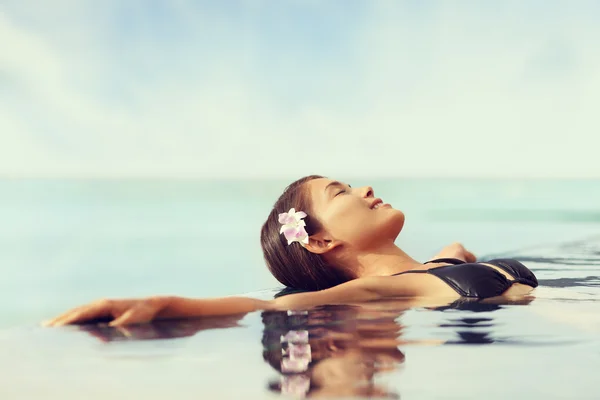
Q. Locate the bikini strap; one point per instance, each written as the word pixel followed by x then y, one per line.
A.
pixel 412 271
pixel 453 261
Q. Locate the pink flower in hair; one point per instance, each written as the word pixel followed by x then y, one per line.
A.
pixel 291 217
pixel 293 226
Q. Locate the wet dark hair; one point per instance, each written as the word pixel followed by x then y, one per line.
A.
pixel 292 265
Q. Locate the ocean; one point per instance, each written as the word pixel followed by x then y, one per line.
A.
pixel 67 242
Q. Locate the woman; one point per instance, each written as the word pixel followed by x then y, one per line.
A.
pixel 341 243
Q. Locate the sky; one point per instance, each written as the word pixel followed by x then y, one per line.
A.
pixel 255 89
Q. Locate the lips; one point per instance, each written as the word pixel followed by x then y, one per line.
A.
pixel 375 203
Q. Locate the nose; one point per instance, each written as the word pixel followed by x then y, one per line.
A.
pixel 367 192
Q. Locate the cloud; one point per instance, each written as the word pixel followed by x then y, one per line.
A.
pixel 254 89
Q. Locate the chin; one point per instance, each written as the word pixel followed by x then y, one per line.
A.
pixel 395 222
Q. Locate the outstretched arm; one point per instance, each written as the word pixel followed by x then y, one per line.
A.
pixel 132 311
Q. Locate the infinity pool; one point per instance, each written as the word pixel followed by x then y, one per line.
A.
pixel 65 243
pixel 546 347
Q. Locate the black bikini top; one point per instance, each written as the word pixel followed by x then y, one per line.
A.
pixel 479 280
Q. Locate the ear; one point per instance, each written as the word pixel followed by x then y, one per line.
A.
pixel 321 243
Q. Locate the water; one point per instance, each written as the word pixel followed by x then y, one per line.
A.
pixel 67 242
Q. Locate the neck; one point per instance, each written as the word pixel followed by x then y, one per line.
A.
pixel 388 259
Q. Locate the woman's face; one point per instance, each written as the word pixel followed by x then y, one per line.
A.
pixel 353 216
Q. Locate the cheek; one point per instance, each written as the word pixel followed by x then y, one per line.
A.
pixel 345 218
pixel 351 222
pixel 370 225
pixel 355 226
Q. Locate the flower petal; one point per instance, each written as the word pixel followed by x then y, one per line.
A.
pixel 301 235
pixel 290 233
pixel 283 217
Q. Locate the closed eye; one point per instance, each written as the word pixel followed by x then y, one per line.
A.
pixel 342 191
pixel 339 185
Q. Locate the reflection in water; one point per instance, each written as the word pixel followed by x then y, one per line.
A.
pixel 332 350
pixel 340 350
pixel 337 351
pixel 477 330
pixel 471 331
pixel 167 329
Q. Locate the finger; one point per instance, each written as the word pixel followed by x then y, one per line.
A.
pixel 470 257
pixel 130 317
pixel 85 313
pixel 52 321
pixel 140 313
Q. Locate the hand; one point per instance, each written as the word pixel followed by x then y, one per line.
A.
pixel 456 250
pixel 122 312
